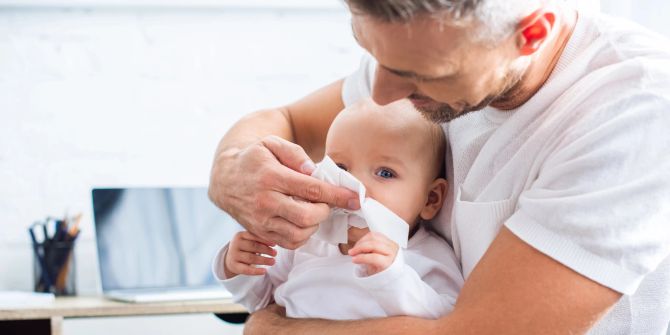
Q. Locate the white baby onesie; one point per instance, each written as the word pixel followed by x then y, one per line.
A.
pixel 317 281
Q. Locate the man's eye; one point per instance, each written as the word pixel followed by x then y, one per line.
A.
pixel 385 173
pixel 342 166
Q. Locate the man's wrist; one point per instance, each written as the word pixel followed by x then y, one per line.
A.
pixel 229 152
pixel 269 320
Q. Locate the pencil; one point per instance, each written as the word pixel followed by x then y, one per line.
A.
pixel 74 228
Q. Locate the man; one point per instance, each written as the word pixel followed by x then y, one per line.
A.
pixel 557 125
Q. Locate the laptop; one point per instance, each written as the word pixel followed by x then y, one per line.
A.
pixel 157 244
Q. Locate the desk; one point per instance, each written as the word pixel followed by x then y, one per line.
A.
pixel 48 319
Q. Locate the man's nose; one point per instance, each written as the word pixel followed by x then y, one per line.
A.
pixel 389 87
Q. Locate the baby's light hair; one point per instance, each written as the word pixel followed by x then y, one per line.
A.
pixel 439 143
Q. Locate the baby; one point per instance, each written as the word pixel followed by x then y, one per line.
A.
pixel 398 156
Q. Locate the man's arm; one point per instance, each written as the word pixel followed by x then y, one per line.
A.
pixel 258 172
pixel 304 122
pixel 514 289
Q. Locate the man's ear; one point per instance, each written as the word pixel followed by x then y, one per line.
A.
pixel 436 195
pixel 533 30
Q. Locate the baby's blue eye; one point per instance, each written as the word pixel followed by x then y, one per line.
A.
pixel 341 166
pixel 385 173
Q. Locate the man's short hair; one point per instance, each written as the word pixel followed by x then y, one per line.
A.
pixel 498 18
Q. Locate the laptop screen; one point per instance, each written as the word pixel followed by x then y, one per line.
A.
pixel 158 237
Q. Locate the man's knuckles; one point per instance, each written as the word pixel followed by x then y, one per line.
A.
pixel 271 141
pixel 264 203
pixel 268 178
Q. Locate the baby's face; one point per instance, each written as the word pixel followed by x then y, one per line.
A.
pixel 389 150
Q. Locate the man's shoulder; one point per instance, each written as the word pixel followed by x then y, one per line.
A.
pixel 622 64
pixel 619 41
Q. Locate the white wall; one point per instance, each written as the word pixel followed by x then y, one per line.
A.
pixel 139 96
pixel 653 14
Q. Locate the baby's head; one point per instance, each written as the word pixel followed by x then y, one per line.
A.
pixel 396 153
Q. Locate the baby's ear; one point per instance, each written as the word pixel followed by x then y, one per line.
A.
pixel 436 195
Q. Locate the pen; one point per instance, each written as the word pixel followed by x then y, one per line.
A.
pixel 44 230
pixel 40 259
pixel 61 230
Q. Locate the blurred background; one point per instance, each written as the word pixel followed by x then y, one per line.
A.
pixel 139 92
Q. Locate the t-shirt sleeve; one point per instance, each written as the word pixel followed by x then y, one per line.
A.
pixel 601 201
pixel 358 85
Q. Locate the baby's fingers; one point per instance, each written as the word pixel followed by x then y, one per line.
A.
pixel 256 247
pixel 374 263
pixel 370 246
pixel 254 259
pixel 369 259
pixel 374 242
pixel 246 269
pixel 246 263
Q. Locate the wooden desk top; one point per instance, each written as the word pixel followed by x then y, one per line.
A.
pixel 89 306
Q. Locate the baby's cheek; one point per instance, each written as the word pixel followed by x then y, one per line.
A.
pixel 401 198
pixel 404 206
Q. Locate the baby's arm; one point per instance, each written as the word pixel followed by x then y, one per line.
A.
pixel 251 286
pixel 398 287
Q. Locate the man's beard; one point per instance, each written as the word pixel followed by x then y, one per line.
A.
pixel 445 113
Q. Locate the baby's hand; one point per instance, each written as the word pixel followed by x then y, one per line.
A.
pixel 244 253
pixel 375 251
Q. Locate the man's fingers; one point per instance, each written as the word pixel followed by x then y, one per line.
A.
pixel 314 190
pixel 302 213
pixel 288 235
pixel 284 242
pixel 289 154
pixel 245 235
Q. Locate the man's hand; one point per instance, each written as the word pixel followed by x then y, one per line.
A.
pixel 245 251
pixel 375 251
pixel 260 187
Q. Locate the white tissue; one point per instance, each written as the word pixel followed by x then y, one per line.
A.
pixel 372 214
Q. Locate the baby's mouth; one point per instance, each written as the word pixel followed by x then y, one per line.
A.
pixel 354 234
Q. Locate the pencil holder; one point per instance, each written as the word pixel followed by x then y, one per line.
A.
pixel 54 268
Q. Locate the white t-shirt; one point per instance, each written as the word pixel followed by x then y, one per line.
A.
pixel 581 171
pixel 317 281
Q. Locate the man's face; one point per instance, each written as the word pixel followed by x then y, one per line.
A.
pixel 437 66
